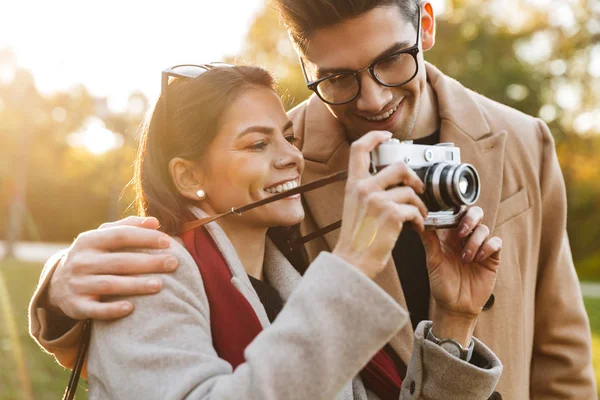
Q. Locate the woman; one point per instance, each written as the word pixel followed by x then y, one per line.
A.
pixel 219 329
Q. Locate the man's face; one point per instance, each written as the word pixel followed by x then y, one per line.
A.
pixel 354 45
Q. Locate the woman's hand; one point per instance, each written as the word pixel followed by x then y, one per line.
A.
pixel 376 207
pixel 463 265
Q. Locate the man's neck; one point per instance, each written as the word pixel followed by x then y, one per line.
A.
pixel 428 116
pixel 248 242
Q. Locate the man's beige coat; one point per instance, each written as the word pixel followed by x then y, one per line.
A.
pixel 537 325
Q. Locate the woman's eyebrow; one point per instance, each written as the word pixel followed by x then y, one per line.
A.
pixel 264 129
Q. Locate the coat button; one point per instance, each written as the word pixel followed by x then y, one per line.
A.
pixel 495 396
pixel 490 303
pixel 411 388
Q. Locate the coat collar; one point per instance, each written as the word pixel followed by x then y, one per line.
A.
pixel 278 270
pixel 326 151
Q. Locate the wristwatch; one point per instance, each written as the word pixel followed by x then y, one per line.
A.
pixel 453 347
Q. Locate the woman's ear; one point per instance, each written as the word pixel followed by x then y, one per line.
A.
pixel 187 177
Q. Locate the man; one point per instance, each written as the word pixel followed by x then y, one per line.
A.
pixel 364 60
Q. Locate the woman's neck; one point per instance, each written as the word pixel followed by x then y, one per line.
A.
pixel 248 242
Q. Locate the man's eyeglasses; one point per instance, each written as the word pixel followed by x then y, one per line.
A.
pixel 184 71
pixel 391 70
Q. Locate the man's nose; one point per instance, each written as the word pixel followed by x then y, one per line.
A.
pixel 373 97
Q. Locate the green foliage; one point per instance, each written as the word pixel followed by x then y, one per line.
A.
pixel 486 48
pixel 515 53
pixel 47 379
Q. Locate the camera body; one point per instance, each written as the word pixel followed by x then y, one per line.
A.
pixel 450 186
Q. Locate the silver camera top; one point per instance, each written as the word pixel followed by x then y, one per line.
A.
pixel 415 155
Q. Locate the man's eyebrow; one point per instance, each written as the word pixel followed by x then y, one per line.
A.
pixel 392 49
pixel 264 129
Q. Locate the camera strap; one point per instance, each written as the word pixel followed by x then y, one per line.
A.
pixel 339 176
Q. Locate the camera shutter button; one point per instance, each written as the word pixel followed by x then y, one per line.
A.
pixel 428 155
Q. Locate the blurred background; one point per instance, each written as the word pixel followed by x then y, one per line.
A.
pixel 77 78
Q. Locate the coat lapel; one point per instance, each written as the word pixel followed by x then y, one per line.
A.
pixel 239 277
pixel 463 123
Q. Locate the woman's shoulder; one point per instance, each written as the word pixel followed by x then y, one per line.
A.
pixel 186 275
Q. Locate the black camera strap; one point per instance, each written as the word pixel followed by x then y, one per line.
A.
pixel 339 176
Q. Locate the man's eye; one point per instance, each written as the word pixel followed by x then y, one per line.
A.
pixel 292 139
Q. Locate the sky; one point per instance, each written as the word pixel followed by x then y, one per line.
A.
pixel 114 47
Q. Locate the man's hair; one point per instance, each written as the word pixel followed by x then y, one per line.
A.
pixel 303 17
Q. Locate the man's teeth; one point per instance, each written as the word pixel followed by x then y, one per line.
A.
pixel 383 116
pixel 283 187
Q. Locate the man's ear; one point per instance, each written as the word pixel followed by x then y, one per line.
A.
pixel 427 26
pixel 187 177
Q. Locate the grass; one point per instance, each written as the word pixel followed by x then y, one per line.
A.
pixel 27 373
pixel 41 377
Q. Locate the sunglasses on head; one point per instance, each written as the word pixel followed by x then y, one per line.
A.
pixel 184 71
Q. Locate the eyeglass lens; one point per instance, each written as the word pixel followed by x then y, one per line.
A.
pixel 391 71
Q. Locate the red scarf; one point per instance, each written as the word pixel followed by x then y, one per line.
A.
pixel 234 324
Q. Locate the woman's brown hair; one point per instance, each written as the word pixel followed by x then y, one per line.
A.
pixel 193 118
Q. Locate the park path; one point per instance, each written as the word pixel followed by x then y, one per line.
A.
pixel 37 252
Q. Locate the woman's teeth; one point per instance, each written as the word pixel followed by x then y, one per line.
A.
pixel 283 187
pixel 383 116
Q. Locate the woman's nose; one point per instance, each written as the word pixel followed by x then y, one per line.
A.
pixel 290 157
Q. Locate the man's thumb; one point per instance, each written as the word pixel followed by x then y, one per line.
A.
pixel 431 242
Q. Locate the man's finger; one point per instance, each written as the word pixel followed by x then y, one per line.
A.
pixel 358 165
pixel 491 248
pixel 125 264
pixel 479 236
pixel 120 237
pixel 405 195
pixel 111 285
pixel 472 218
pixel 103 311
pixel 399 173
pixel 142 222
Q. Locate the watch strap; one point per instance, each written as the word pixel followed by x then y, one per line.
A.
pixel 463 354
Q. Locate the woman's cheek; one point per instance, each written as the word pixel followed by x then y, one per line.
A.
pixel 248 173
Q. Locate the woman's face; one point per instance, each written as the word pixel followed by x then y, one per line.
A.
pixel 252 157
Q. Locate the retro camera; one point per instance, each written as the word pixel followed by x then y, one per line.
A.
pixel 450 186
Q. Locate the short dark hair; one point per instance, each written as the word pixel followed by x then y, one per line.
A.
pixel 195 107
pixel 303 17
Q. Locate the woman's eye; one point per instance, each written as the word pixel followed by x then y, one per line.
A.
pixel 259 145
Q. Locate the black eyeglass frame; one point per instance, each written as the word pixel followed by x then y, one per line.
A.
pixel 412 50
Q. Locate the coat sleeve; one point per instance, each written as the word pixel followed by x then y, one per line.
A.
pixel 333 323
pixel 561 365
pixel 57 335
pixel 434 374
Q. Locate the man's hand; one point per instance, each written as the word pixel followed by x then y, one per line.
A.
pixel 463 265
pixel 94 267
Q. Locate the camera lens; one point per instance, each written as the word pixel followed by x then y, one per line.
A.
pixel 450 186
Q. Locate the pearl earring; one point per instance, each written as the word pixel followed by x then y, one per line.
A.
pixel 201 194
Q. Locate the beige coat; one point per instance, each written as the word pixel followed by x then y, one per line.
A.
pixel 537 325
pixel 335 318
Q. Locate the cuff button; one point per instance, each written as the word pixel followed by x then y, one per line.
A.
pixel 412 387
